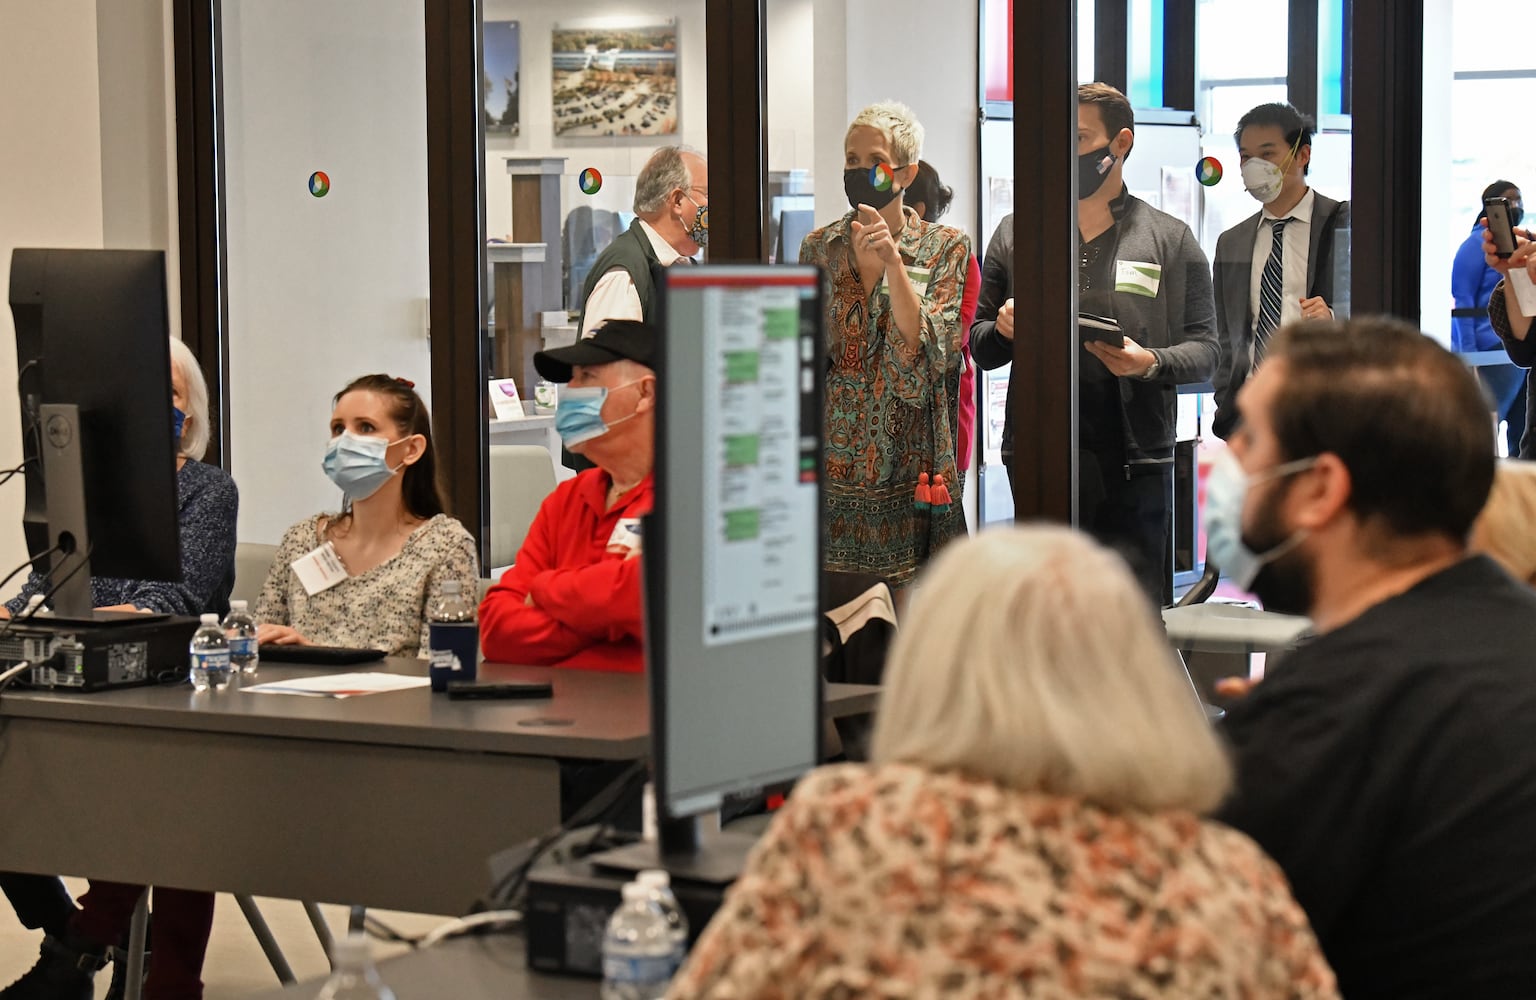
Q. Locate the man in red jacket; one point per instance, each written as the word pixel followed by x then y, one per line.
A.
pixel 572 599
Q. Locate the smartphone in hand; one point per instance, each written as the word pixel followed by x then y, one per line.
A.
pixel 1498 210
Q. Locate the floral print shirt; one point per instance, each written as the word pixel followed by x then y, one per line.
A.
pixel 385 608
pixel 891 410
pixel 896 881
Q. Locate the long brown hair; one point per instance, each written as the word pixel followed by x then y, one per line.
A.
pixel 420 489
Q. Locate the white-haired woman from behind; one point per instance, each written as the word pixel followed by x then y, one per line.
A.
pixel 1031 822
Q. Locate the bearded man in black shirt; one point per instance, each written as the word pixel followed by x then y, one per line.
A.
pixel 1388 764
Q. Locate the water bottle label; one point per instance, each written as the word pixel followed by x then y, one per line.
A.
pixel 211 661
pixel 640 969
pixel 243 645
pixel 443 659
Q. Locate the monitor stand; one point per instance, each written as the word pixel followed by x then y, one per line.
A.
pixel 685 852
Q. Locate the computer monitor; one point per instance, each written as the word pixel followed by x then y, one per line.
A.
pixel 795 224
pixel 93 363
pixel 733 547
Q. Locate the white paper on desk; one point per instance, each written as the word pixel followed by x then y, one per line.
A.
pixel 504 399
pixel 340 685
pixel 1525 291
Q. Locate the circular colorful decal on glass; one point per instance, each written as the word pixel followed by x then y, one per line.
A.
pixel 591 181
pixel 882 177
pixel 319 184
pixel 1208 171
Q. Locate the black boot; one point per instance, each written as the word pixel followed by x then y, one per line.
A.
pixel 63 971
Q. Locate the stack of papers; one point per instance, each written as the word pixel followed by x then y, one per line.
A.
pixel 340 685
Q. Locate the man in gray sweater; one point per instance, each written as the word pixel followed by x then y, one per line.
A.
pixel 1142 268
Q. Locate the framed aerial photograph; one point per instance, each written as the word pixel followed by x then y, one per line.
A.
pixel 503 64
pixel 612 80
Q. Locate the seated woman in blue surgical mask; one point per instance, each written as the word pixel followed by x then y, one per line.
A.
pixel 366 576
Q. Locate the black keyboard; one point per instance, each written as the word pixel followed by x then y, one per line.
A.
pixel 319 655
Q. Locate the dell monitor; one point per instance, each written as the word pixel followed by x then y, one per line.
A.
pixel 93 363
pixel 733 546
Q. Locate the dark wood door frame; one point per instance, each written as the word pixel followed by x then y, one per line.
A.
pixel 736 87
pixel 195 37
pixel 1044 373
pixel 456 245
pixel 1386 200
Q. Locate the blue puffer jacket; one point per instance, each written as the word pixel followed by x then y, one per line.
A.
pixel 1472 282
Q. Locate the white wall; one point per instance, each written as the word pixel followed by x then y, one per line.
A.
pixel 321 290
pixel 908 51
pixel 50 178
pixel 613 157
pixel 1443 231
pixel 791 84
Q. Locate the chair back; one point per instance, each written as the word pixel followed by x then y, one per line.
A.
pixel 521 477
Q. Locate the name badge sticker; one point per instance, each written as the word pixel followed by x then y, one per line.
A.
pixel 625 540
pixel 921 278
pixel 1137 278
pixel 319 570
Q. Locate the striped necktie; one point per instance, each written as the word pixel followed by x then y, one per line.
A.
pixel 1271 291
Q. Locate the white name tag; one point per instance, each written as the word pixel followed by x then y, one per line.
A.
pixel 920 276
pixel 625 539
pixel 1137 278
pixel 320 570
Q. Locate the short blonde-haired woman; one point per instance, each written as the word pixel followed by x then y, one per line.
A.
pixel 894 358
pixel 1031 824
pixel 1506 529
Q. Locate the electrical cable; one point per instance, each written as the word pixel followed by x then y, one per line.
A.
pixel 507 889
pixel 15 620
pixel 30 562
pixel 453 928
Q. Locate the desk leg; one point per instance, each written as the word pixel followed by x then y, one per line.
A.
pixel 137 931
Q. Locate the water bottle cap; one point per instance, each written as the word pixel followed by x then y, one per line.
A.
pixel 350 950
pixel 209 619
pixel 238 605
pixel 654 878
pixel 451 586
pixel 634 892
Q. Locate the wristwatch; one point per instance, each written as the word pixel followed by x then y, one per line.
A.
pixel 1151 372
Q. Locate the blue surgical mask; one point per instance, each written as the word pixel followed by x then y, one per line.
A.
pixel 357 464
pixel 178 418
pixel 1226 491
pixel 579 413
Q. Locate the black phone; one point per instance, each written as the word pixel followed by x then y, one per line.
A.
pixel 521 689
pixel 1104 329
pixel 1503 231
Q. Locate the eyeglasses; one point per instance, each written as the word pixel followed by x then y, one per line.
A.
pixel 1087 256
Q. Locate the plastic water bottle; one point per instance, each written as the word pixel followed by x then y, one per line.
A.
pixel 660 884
pixel 210 655
pixel 639 957
pixel 453 637
pixel 355 977
pixel 240 630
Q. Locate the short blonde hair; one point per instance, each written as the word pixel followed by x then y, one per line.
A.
pixel 1031 658
pixel 899 124
pixel 1506 529
pixel 194 433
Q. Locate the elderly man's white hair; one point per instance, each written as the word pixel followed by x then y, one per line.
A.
pixel 899 124
pixel 666 171
pixel 194 433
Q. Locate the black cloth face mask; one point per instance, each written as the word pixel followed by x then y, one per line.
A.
pixel 1092 168
pixel 859 184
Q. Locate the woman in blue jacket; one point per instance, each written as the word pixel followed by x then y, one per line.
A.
pixel 1472 282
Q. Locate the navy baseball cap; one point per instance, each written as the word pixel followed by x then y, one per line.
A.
pixel 615 340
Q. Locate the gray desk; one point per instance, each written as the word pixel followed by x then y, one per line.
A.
pixel 490 968
pixel 389 800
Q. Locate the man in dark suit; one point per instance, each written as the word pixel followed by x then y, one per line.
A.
pixel 1277 266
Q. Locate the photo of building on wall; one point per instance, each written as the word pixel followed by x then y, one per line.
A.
pixel 613 81
pixel 503 63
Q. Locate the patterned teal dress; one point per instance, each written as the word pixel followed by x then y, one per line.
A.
pixel 891 411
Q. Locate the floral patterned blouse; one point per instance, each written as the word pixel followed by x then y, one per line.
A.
pixel 901 882
pixel 890 410
pixel 384 608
